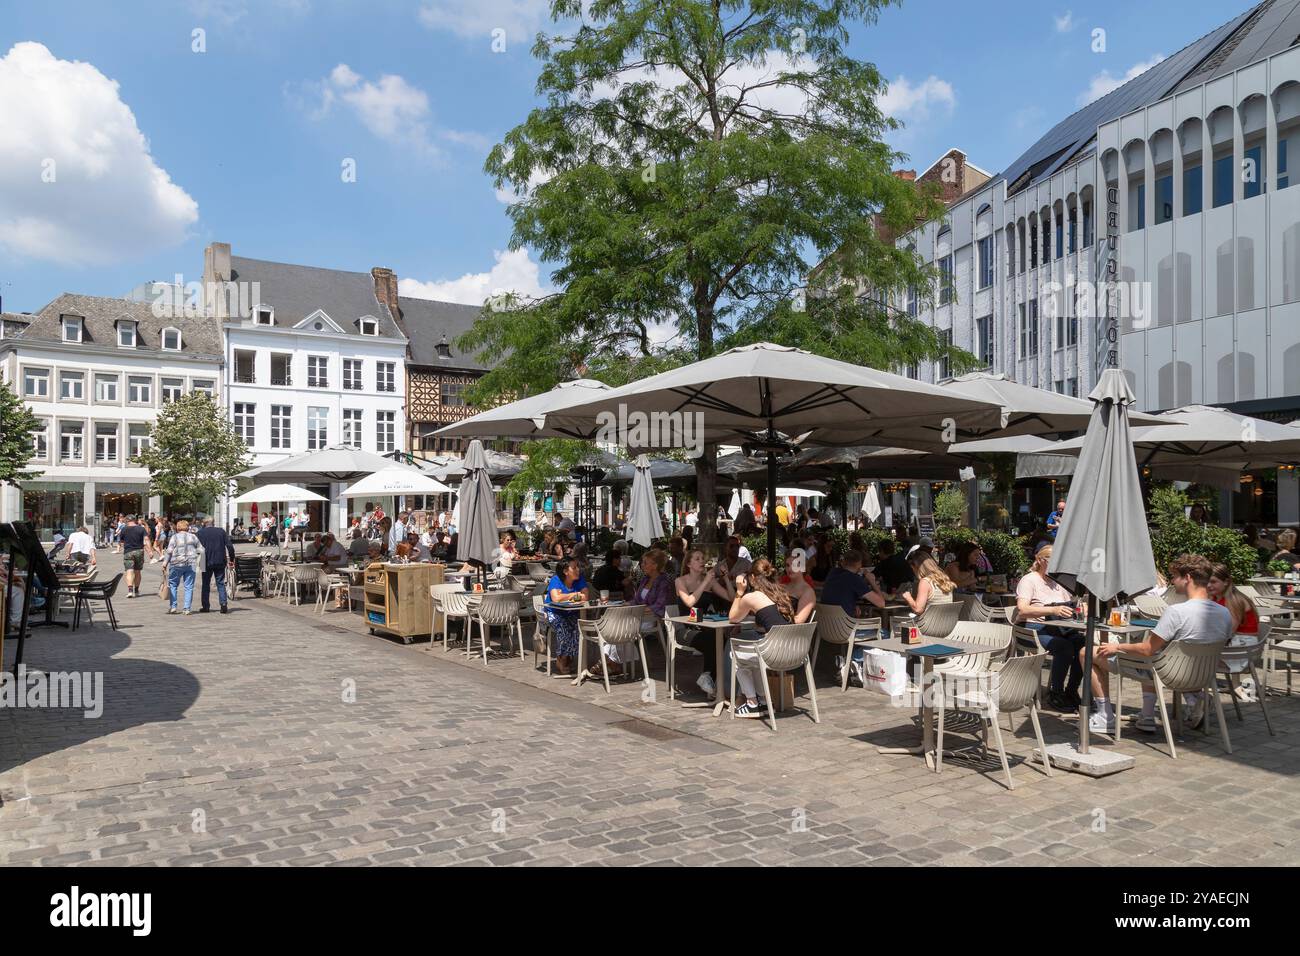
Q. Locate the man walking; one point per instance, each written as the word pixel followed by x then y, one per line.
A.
pixel 134 536
pixel 218 553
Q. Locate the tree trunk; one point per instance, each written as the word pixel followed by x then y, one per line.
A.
pixel 706 482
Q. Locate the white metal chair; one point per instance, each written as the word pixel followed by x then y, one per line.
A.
pixel 543 633
pixel 784 648
pixel 327 585
pixel 616 626
pixel 1237 659
pixel 1183 667
pixel 1007 687
pixel 303 579
pixel 436 593
pixel 495 609
pixel 835 626
pixel 455 603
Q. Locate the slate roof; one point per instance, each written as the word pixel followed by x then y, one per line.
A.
pixel 295 292
pixel 200 335
pixel 1265 29
pixel 427 321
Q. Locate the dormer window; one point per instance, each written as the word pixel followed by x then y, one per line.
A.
pixel 264 315
pixel 171 340
pixel 72 328
pixel 443 349
pixel 126 334
pixel 369 326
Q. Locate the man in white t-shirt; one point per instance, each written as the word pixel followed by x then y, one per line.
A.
pixel 564 524
pixel 81 546
pixel 398 532
pixel 1196 620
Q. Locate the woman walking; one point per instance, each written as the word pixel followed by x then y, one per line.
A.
pixel 179 563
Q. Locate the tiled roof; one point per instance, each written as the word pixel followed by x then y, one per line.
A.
pixel 427 323
pixel 295 292
pixel 200 335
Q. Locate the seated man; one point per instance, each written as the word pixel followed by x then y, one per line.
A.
pixel 848 587
pixel 1198 619
pixel 329 552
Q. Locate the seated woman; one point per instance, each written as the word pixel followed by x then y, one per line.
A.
pixel 708 594
pixel 402 553
pixel 965 567
pixel 759 594
pixel 610 577
pixel 932 585
pixel 565 587
pixel 1286 548
pixel 1039 600
pixel 1245 624
pixel 799 586
pixel 654 590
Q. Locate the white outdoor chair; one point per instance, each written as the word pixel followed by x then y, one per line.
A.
pixel 1183 667
pixel 615 626
pixel 543 633
pixel 1283 638
pixel 782 649
pixel 836 627
pixel 455 603
pixel 327 585
pixel 938 619
pixel 1006 688
pixel 998 638
pixel 1151 605
pixel 1247 657
pixel 495 609
pixel 436 593
pixel 302 581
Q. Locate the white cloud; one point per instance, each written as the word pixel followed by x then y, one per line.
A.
pixel 1104 83
pixel 390 107
pixel 109 201
pixel 520 19
pixel 912 102
pixel 514 271
pixel 1066 22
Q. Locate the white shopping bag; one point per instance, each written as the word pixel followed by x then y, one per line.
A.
pixel 884 672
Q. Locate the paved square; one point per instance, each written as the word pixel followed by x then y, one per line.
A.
pixel 273 735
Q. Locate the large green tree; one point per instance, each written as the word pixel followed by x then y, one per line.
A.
pixel 193 452
pixel 17 426
pixel 691 162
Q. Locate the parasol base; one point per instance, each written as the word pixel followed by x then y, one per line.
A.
pixel 1095 763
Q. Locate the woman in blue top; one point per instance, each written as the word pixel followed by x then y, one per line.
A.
pixel 567 586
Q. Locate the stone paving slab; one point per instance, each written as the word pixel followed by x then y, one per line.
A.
pixel 276 736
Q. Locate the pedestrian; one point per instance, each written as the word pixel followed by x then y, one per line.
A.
pixel 218 553
pixel 134 538
pixel 81 547
pixel 151 545
pixel 180 560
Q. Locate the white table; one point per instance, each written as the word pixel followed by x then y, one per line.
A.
pixel 719 702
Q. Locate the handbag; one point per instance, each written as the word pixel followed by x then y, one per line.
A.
pixel 164 590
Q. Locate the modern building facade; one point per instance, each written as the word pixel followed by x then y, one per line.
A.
pixel 96 371
pixel 1186 172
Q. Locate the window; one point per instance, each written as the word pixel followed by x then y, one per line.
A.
pixel 352 427
pixel 318 371
pixel 1067 326
pixel 1087 224
pixel 105 443
pixel 138 439
pixel 352 375
pixel 1192 185
pixel 945 280
pixel 72 329
pixel 986 262
pixel 1164 199
pixel 1252 172
pixel 245 366
pixel 1137 210
pixel 1033 247
pixel 205 385
pixel 171 340
pixel 126 335
pixel 912 304
pixel 1283 180
pixel 1072 233
pixel 1059 241
pixel 264 316
pixel 913 370
pixel 281 369
pixel 385 432
pixel 281 431
pixel 36 383
pixel 452 393
pixel 41 442
pixel 245 414
pixel 1029 329
pixel 172 389
pixel 71 437
pixel 943 368
pixel 385 377
pixel 106 387
pixel 984 340
pixel 1222 180
pixel 369 327
pixel 1072 387
pixel 317 428
pixel 72 386
pixel 139 390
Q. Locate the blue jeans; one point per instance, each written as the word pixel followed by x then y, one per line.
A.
pixel 176 575
pixel 1064 646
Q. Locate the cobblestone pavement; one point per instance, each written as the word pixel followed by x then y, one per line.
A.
pixel 273 735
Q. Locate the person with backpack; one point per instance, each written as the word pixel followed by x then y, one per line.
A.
pixel 179 563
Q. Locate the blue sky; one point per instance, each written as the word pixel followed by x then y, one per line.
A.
pixel 245 142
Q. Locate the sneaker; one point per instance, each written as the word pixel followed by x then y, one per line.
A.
pixel 130 592
pixel 1148 725
pixel 1102 722
pixel 224 609
pixel 171 610
pixel 752 710
pixel 1195 715
pixel 185 613
pixel 1246 691
pixel 706 684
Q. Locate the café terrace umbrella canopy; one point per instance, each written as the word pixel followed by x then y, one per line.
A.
pixel 1027 410
pixel 500 465
pixel 476 509
pixel 338 463
pixel 396 481
pixel 271 494
pixel 663 471
pixel 1103 547
pixel 643 524
pixel 527 418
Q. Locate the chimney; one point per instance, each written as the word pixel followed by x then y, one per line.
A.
pixel 907 174
pixel 386 290
pixel 216 272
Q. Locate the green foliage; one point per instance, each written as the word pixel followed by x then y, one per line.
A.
pixel 194 452
pixel 873 537
pixel 1174 534
pixel 547 465
pixel 1228 546
pixel 17 426
pixel 950 537
pixel 1278 568
pixel 950 506
pixel 1005 553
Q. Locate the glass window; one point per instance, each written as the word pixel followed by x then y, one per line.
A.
pixel 385 377
pixel 452 393
pixel 138 437
pixel 986 262
pixel 1193 183
pixel 126 334
pixel 36 383
pixel 369 327
pixel 205 385
pixel 72 386
pixel 945 280
pixel 352 427
pixel 139 390
pixel 1087 223
pixel 1137 208
pixel 172 389
pixel 1252 172
pixel 245 414
pixel 943 368
pixel 1164 198
pixel 912 301
pixel 71 439
pixel 171 340
pixel 352 375
pixel 1029 329
pixel 105 442
pixel 1072 233
pixel 1222 181
pixel 106 387
pixel 41 442
pixel 984 345
pixel 318 371
pixel 385 432
pixel 1283 179
pixel 72 330
pixel 265 317
pixel 317 428
pixel 281 430
pixel 1059 246
pixel 245 368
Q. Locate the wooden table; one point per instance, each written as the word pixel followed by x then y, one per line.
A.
pixel 963 648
